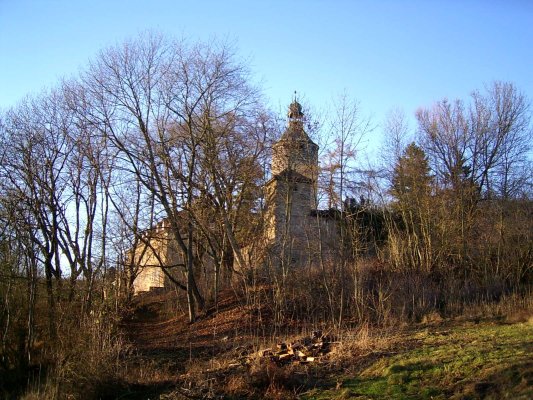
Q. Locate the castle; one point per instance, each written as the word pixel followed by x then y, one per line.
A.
pixel 296 234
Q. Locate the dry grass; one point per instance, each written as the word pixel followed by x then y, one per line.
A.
pixel 162 356
pixel 211 350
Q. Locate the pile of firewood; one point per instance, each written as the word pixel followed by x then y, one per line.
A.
pixel 305 350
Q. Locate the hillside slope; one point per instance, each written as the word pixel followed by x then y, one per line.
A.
pixel 220 357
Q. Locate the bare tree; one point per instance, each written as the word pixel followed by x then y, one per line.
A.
pixel 486 143
pixel 348 128
pixel 478 152
pixel 178 116
pixel 33 171
pixel 500 139
pixel 397 136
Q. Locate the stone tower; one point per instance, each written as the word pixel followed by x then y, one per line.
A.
pixel 291 192
pixel 295 151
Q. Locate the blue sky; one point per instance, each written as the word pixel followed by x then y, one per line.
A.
pixel 386 54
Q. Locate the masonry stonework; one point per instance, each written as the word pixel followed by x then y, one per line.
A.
pixel 296 231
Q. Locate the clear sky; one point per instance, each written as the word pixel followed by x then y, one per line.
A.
pixel 386 54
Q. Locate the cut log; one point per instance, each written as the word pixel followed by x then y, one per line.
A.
pixel 266 353
pixel 305 350
pixel 296 346
pixel 282 346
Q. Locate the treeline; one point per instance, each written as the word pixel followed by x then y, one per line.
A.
pixel 461 202
pixel 156 129
pixel 152 129
pixel 441 223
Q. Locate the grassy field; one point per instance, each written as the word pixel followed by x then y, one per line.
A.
pixel 466 360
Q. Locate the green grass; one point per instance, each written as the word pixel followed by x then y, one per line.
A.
pixel 467 362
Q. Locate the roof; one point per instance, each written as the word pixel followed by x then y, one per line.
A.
pixel 295 129
pixel 295 110
pixel 295 132
pixel 290 176
pixel 331 213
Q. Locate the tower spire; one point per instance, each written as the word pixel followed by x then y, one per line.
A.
pixel 295 109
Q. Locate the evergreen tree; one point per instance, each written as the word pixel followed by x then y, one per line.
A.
pixel 411 181
pixel 411 188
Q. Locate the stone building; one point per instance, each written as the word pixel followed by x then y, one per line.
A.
pixel 296 234
pixel 155 248
pixel 296 231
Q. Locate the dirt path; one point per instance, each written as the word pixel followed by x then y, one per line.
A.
pixel 164 347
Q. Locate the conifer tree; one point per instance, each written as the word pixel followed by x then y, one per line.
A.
pixel 411 187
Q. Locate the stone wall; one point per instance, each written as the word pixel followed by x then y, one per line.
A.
pixel 152 251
